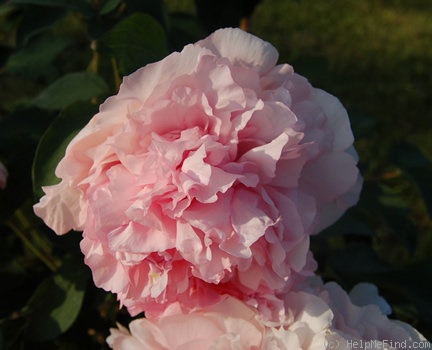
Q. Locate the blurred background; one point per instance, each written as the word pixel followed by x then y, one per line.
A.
pixel 60 58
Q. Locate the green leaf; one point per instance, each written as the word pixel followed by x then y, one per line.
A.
pixel 79 5
pixel 6 10
pixel 184 29
pixel 414 163
pixel 357 261
pixel 36 20
pixel 395 200
pixel 362 124
pixel 12 330
pixel 70 88
pixel 136 41
pixel 349 225
pixel 52 145
pixel 57 301
pixel 410 282
pixel 20 132
pixel 26 125
pixel 155 8
pixel 108 6
pixel 34 60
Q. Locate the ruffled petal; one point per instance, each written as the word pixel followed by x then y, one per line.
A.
pixel 242 49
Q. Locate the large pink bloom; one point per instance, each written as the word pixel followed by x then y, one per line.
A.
pixel 3 176
pixel 229 324
pixel 360 318
pixel 316 318
pixel 324 316
pixel 205 174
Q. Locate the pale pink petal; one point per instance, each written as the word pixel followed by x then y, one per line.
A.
pixel 150 80
pixel 108 272
pixel 249 222
pixel 136 238
pixel 62 208
pixel 337 119
pixel 121 339
pixel 228 324
pixel 229 96
pixel 366 293
pixel 188 243
pixel 330 176
pixel 242 49
pixel 332 211
pixel 367 323
pixel 266 156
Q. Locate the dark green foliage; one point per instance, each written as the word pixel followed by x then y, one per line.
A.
pixel 70 88
pixel 136 41
pixel 56 302
pixel 61 60
pixel 53 143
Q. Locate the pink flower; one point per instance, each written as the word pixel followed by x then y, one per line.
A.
pixel 360 319
pixel 205 175
pixel 228 324
pixel 366 322
pixel 307 324
pixel 323 316
pixel 3 176
pixel 317 316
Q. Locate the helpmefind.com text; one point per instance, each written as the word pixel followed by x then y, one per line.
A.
pixel 375 344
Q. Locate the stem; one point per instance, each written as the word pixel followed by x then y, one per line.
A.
pixel 39 250
pixel 94 63
pixel 27 226
pixel 116 73
pixel 244 24
pixel 29 244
